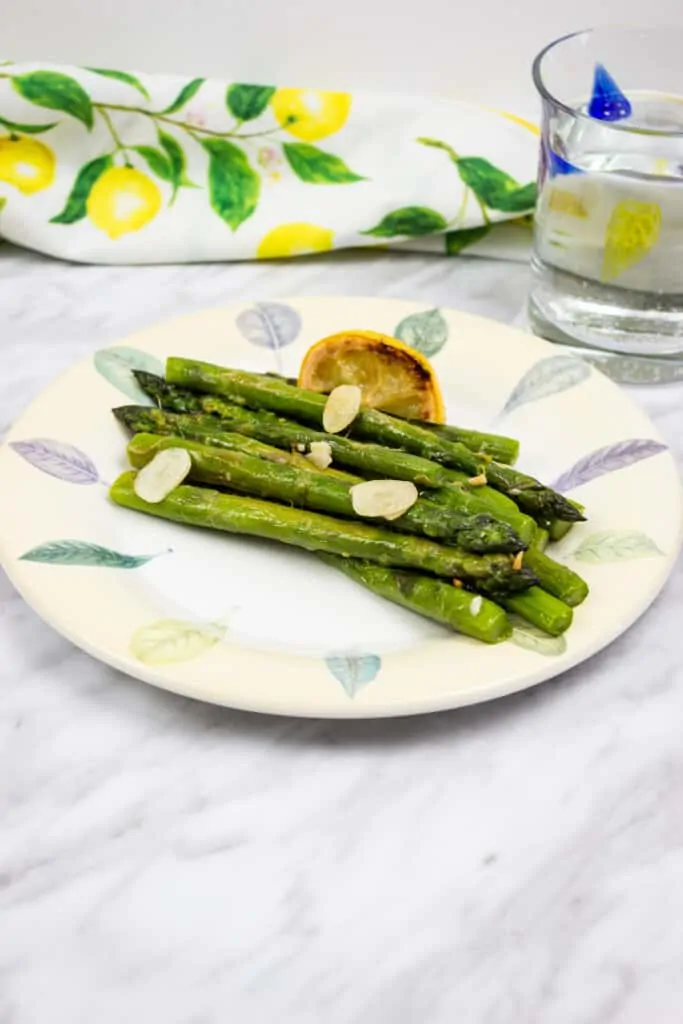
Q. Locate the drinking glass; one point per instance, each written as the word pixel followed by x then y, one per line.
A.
pixel 607 267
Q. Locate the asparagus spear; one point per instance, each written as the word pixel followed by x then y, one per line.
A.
pixel 371 459
pixel 493 574
pixel 277 396
pixel 496 446
pixel 265 479
pixel 557 579
pixel 541 609
pixel 459 610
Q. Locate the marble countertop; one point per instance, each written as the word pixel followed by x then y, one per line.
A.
pixel 162 860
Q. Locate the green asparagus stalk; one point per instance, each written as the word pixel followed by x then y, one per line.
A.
pixel 540 609
pixel 373 460
pixel 492 574
pixel 496 446
pixel 275 395
pixel 240 471
pixel 557 579
pixel 457 609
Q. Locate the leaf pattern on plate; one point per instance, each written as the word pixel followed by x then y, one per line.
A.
pixel 547 377
pixel 425 332
pixel 616 546
pixel 116 365
pixel 83 552
pixel 168 641
pixel 607 460
pixel 353 670
pixel 533 639
pixel 270 325
pixel 57 458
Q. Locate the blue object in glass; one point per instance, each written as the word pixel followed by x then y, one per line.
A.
pixel 558 165
pixel 608 102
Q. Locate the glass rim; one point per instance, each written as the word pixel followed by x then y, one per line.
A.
pixel 549 97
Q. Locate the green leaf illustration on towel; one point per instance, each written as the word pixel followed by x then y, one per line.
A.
pixel 456 241
pixel 354 671
pixel 426 332
pixel 494 187
pixel 168 641
pixel 410 221
pixel 616 546
pixel 75 208
pixel 316 167
pixel 234 187
pixel 247 102
pixel 157 161
pixel 184 96
pixel 177 162
pixel 55 91
pixel 82 552
pixel 26 129
pixel 121 76
pixel 116 365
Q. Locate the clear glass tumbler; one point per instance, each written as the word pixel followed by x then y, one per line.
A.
pixel 607 268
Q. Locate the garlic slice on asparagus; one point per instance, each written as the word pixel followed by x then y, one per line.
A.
pixel 387 499
pixel 341 408
pixel 163 474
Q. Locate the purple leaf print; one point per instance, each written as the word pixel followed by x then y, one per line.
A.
pixel 57 458
pixel 607 460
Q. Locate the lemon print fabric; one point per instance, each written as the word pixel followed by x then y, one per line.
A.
pixel 311 115
pixel 632 231
pixel 294 240
pixel 27 164
pixel 122 200
pixel 102 165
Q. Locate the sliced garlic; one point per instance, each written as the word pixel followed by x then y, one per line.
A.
pixel 475 605
pixel 341 408
pixel 478 481
pixel 320 454
pixel 158 478
pixel 386 498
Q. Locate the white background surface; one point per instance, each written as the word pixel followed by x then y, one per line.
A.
pixel 476 51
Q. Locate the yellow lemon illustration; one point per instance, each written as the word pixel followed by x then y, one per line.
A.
pixel 294 240
pixel 122 200
pixel 632 230
pixel 27 164
pixel 311 115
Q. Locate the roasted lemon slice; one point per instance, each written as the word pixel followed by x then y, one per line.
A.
pixel 391 376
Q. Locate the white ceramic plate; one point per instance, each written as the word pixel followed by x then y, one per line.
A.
pixel 262 627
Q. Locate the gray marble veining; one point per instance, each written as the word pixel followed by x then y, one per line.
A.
pixel 161 860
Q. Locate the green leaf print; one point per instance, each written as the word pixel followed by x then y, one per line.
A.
pixel 426 332
pixel 493 187
pixel 456 241
pixel 26 129
pixel 116 365
pixel 315 166
pixel 121 76
pixel 354 671
pixel 410 221
pixel 177 160
pixel 234 186
pixel 171 640
pixel 184 96
pixel 56 91
pixel 533 639
pixel 158 162
pixel 83 553
pixel 75 208
pixel 247 102
pixel 616 546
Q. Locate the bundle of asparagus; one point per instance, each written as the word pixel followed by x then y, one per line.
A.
pixel 465 548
